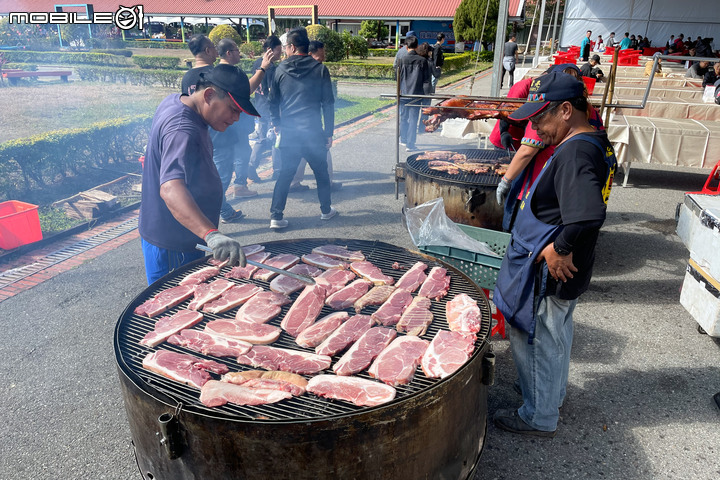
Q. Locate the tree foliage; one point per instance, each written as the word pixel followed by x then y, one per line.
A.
pixel 334 48
pixel 224 31
pixel 469 17
pixel 373 29
pixel 355 45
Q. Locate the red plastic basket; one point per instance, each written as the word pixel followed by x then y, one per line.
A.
pixel 19 224
pixel 590 84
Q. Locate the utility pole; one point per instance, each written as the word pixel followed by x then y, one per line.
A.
pixel 499 44
pixel 536 60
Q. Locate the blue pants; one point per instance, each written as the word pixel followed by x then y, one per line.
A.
pixel 224 159
pixel 543 366
pixel 160 261
pixel 316 156
pixel 409 121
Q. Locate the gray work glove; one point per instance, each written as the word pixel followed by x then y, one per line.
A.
pixel 502 190
pixel 225 248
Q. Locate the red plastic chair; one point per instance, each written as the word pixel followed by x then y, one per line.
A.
pixel 712 184
pixel 609 50
pixel 590 84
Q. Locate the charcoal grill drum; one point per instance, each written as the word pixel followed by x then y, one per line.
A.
pixel 469 198
pixel 434 429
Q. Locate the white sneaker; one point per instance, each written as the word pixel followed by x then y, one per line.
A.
pixel 277 224
pixel 329 215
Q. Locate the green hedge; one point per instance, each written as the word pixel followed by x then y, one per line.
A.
pixel 156 44
pixel 458 62
pixel 66 58
pixel 114 51
pixel 133 76
pixel 35 162
pixel 382 52
pixel 27 67
pixel 149 61
pixel 359 70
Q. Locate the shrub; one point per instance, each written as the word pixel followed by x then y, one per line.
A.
pixel 149 61
pixel 115 51
pixel 334 48
pixel 146 43
pixel 355 46
pixel 133 76
pixel 72 58
pixel 224 31
pixel 382 52
pixel 459 61
pixel 251 49
pixel 359 70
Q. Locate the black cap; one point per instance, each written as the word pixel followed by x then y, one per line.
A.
pixel 545 89
pixel 595 58
pixel 235 83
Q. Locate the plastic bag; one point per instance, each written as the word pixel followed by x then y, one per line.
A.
pixel 429 225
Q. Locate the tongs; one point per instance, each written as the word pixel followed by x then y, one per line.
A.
pixel 302 278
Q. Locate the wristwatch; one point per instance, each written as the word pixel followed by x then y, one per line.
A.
pixel 263 70
pixel 561 251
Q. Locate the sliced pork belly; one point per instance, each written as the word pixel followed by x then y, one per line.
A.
pixel 252 249
pixel 293 361
pixel 215 394
pixel 347 296
pixel 207 292
pixel 447 352
pixel 346 334
pixel 209 343
pixel 416 318
pixel 339 252
pixel 165 300
pixel 182 368
pixel 285 381
pixel 463 314
pixel 334 279
pixel 323 261
pixel 284 261
pixel 413 278
pixel 304 311
pixel 247 271
pixel 200 276
pixel 376 296
pixel 437 284
pixel 167 326
pixel 397 363
pixel 390 312
pixel 316 333
pixel 288 285
pixel 360 391
pixel 370 272
pixel 255 333
pixel 231 298
pixel 262 307
pixel 363 352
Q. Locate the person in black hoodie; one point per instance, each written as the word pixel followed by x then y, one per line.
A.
pixel 414 72
pixel 302 111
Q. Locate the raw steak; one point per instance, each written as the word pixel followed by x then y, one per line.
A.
pixel 437 284
pixel 182 367
pixel 247 271
pixel 316 333
pixel 323 261
pixel 284 261
pixel 253 249
pixel 334 279
pixel 209 344
pixel 215 394
pixel 413 277
pixel 447 352
pixel 389 313
pixel 200 276
pixel 207 292
pixel 167 326
pixel 364 351
pixel 288 285
pixel 346 334
pixel 396 364
pixel 255 333
pixel 416 317
pixel 165 300
pixel 341 253
pixel 304 311
pixel 370 272
pixel 285 381
pixel 292 361
pixel 262 307
pixel 376 296
pixel 463 314
pixel 347 296
pixel 360 391
pixel 237 295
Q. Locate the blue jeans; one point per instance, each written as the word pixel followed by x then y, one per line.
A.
pixel 409 121
pixel 160 261
pixel 316 156
pixel 224 159
pixel 543 366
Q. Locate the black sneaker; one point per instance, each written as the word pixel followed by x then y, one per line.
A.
pixel 232 218
pixel 510 421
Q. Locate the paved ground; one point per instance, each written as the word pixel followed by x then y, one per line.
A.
pixel 639 399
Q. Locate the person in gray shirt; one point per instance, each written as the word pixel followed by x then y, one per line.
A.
pixel 509 58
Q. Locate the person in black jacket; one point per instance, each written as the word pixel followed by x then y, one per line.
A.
pixel 438 60
pixel 413 71
pixel 302 111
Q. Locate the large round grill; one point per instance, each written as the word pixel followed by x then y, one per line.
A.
pixel 421 167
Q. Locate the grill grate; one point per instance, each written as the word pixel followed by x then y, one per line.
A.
pixel 490 156
pixel 131 328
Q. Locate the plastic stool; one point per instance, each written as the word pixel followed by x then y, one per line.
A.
pixel 498 317
pixel 712 183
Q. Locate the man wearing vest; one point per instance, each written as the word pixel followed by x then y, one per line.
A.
pixel 548 263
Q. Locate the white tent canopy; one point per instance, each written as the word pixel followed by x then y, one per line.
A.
pixel 656 19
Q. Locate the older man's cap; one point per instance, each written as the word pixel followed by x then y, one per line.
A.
pixel 595 58
pixel 235 83
pixel 565 66
pixel 545 89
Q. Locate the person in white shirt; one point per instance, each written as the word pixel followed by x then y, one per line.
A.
pixel 599 45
